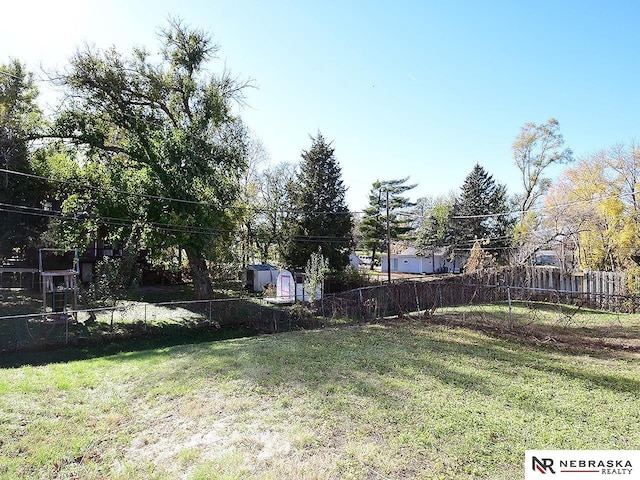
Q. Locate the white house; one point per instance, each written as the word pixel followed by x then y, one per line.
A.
pixel 433 261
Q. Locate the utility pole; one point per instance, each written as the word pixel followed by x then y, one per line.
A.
pixel 388 241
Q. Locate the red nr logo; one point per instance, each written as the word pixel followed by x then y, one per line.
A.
pixel 543 465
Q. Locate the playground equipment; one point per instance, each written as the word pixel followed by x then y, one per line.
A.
pixel 59 286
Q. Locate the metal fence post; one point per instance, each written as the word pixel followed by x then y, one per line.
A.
pixel 17 346
pixel 509 300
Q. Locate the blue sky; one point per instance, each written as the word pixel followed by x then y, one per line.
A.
pixel 404 88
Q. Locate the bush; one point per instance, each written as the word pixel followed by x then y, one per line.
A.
pixel 111 278
pixel 349 279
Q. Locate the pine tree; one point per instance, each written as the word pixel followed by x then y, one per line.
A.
pixel 481 213
pixel 373 228
pixel 322 218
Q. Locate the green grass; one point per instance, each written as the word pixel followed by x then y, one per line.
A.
pixel 401 399
pixel 552 322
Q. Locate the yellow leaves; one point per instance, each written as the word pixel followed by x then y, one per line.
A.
pixel 612 208
pixel 627 239
pixel 595 200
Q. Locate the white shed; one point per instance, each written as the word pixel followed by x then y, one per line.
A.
pixel 286 285
pixel 255 277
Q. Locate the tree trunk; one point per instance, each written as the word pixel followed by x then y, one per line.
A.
pixel 202 288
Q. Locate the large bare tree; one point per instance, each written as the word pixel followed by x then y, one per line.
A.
pixel 536 148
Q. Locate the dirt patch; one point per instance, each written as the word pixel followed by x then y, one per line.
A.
pixel 181 434
pixel 596 339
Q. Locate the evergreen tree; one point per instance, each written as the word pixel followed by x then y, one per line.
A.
pixel 373 228
pixel 481 213
pixel 322 218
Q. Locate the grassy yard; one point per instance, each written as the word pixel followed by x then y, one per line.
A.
pixel 402 399
pixel 552 322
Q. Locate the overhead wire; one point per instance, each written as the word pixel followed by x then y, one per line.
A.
pixel 194 229
pixel 172 199
pixel 291 211
pixel 189 229
pixel 164 227
pixel 256 210
pixel 113 221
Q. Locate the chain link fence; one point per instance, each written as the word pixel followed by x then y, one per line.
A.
pixel 543 314
pixel 136 319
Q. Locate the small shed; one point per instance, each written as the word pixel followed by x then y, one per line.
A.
pixel 286 285
pixel 256 277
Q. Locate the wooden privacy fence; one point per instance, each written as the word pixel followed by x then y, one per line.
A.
pixel 549 278
pixel 601 290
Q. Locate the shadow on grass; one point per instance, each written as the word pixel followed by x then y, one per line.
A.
pixel 356 359
pixel 148 343
pixel 543 358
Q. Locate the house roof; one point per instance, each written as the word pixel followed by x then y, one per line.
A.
pixel 261 266
pixel 353 258
pixel 412 251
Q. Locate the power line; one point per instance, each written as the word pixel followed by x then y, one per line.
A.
pixel 552 207
pixel 172 228
pixel 171 199
pixel 10 75
pixel 164 227
pixel 113 221
pixel 299 212
pixel 194 229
